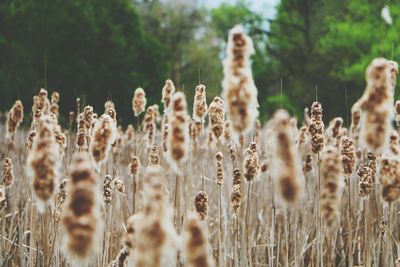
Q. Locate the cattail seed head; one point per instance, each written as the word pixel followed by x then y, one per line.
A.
pixel 334 130
pixel 316 128
pixel 164 133
pixel 167 93
pixel 220 168
pixel 348 152
pixel 240 92
pixel 217 117
pixel 366 183
pixel 376 105
pixel 118 184
pixel 237 191
pixel 156 237
pixel 107 189
pixel 135 166
pixel 201 204
pixel 104 135
pixel 390 178
pixel 154 156
pixel 149 125
pixel 227 131
pixel 251 165
pixel 14 119
pixel 200 104
pixel 178 137
pixel 82 211
pixel 43 163
pixel 55 98
pixel 139 101
pixel 285 161
pixel 8 172
pixel 330 185
pixel 196 243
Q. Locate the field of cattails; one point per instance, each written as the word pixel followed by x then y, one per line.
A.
pixel 211 187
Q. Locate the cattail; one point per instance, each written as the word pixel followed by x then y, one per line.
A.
pixel 110 111
pixel 14 119
pixel 220 168
pixel 193 133
pixel 240 92
pixel 81 136
pixel 316 128
pixel 286 163
pixel 130 239
pixel 154 156
pixel 139 101
pixel 35 104
pixel 394 143
pixel 167 93
pixel 232 153
pixel 371 162
pixel 178 137
pixel 8 172
pixel 334 130
pixel 217 117
pixel 376 105
pixel 211 142
pixel 227 131
pixel 156 237
pixel 200 104
pixel 196 243
pixel 354 130
pixel 164 132
pixel 251 165
pixel 3 198
pixel 82 211
pixel 104 135
pixel 149 125
pixel 107 189
pixel 237 191
pixel 129 135
pixel 330 175
pixel 201 204
pixel 118 184
pixel 390 178
pixel 88 122
pixel 348 152
pixel 366 179
pixel 55 98
pixel 43 163
pixel 44 103
pixel 135 166
pixel 29 140
pixel 302 138
pixel 308 163
pixel 264 166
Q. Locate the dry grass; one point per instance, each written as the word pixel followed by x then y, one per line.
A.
pixel 156 195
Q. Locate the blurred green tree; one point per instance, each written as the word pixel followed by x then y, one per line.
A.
pixel 91 49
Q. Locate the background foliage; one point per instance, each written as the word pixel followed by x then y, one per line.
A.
pixel 99 50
